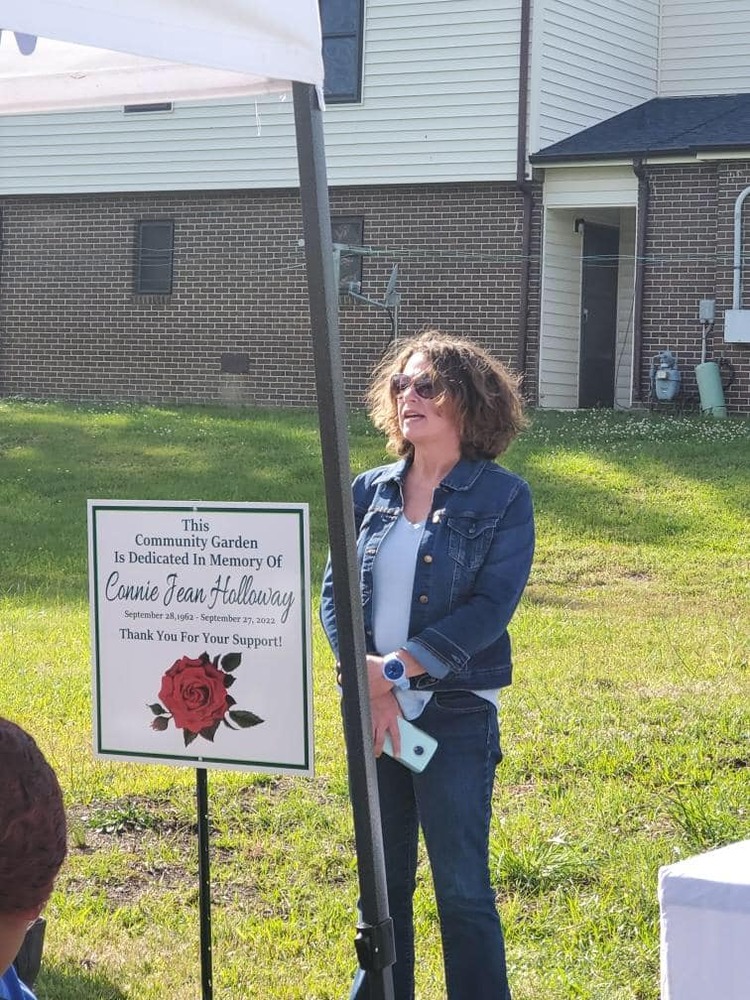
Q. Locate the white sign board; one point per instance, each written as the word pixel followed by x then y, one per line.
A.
pixel 200 628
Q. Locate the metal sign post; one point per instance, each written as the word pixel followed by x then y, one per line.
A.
pixel 204 874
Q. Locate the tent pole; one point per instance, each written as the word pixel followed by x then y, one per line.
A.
pixel 374 941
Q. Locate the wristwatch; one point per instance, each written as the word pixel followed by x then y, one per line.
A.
pixel 395 672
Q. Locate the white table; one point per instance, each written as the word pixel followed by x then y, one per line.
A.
pixel 705 926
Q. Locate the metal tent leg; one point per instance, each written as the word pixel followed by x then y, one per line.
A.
pixel 375 932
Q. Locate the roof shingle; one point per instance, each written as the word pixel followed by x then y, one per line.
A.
pixel 663 125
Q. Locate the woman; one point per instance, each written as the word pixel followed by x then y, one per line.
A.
pixel 32 845
pixel 445 542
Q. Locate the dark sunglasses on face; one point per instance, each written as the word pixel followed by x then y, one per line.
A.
pixel 424 385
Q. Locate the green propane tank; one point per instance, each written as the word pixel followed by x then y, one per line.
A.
pixel 710 389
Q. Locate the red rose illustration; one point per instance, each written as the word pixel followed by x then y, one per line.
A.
pixel 195 693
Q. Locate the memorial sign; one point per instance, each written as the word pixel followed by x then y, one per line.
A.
pixel 200 619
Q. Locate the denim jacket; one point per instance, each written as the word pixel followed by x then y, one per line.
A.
pixel 473 563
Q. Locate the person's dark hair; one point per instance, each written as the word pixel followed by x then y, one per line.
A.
pixel 33 840
pixel 485 396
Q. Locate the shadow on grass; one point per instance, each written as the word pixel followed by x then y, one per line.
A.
pixel 66 982
pixel 605 514
pixel 650 450
pixel 53 459
pixel 653 504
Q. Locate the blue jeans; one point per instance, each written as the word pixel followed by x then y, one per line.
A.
pixel 451 800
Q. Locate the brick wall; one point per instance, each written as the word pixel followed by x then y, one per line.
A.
pixel 71 326
pixel 689 257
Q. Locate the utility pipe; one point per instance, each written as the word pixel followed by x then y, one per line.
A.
pixel 640 271
pixel 737 284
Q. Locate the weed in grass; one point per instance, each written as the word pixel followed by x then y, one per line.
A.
pixel 77 834
pixel 538 867
pixel 704 822
pixel 121 817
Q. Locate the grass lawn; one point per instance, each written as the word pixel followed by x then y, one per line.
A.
pixel 626 731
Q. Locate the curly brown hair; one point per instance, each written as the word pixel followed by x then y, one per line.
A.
pixel 485 396
pixel 33 840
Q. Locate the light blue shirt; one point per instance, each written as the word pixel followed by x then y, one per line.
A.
pixel 392 585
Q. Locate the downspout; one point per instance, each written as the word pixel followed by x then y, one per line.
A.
pixel 737 263
pixel 640 268
pixel 523 185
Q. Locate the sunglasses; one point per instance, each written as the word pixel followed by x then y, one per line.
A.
pixel 424 385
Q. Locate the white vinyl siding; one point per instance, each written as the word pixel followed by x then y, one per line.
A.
pixel 705 47
pixel 625 311
pixel 561 312
pixel 591 59
pixel 193 147
pixel 590 187
pixel 439 104
pixel 440 96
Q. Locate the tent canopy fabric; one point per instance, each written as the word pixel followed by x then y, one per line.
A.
pixel 106 52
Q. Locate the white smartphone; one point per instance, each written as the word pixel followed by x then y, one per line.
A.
pixel 417 747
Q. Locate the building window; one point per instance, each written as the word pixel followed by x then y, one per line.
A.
pixel 341 22
pixel 348 232
pixel 146 109
pixel 153 258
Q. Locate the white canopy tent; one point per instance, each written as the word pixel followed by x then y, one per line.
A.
pixel 61 54
pixel 98 52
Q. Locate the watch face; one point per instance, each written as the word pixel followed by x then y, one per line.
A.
pixel 394 669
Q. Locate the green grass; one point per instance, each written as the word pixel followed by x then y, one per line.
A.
pixel 626 731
